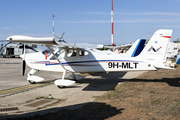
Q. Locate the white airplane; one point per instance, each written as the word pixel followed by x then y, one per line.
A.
pixel 172 50
pixel 76 58
pixel 134 49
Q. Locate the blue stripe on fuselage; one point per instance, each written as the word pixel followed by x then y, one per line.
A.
pixel 82 63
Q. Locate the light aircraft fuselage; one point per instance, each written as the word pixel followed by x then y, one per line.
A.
pixel 91 61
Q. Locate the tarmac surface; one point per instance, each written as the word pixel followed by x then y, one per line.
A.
pixel 18 97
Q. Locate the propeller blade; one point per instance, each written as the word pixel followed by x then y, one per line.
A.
pixel 60 38
pixel 57 36
pixel 24 62
pixel 62 35
pixel 24 66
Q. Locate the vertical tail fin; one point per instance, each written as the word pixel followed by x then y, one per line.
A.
pixel 155 50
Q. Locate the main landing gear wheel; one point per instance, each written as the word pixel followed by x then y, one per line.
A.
pixel 61 86
pixel 32 82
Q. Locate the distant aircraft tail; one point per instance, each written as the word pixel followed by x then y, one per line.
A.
pixel 172 50
pixel 155 50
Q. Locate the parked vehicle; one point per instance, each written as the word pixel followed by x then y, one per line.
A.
pixel 15 49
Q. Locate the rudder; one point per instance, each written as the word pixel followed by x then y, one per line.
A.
pixel 155 50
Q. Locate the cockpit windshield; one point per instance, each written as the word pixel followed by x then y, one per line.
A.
pixel 48 52
pixel 56 51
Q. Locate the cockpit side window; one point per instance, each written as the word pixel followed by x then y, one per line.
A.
pixel 57 55
pixel 83 53
pixel 48 52
pixel 71 53
pixel 56 52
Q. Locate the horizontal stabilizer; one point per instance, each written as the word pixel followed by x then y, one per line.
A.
pixel 163 66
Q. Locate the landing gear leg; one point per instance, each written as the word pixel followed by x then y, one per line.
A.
pixel 74 77
pixel 62 86
pixel 64 73
pixel 62 83
pixel 29 74
pixel 32 78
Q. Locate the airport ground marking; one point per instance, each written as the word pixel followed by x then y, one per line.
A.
pixel 23 88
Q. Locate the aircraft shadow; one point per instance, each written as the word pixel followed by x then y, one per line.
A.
pixel 102 81
pixel 85 111
pixel 175 82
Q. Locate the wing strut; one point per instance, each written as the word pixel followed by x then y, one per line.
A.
pixel 57 58
pixel 61 83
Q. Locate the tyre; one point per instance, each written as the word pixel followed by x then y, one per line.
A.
pixel 32 82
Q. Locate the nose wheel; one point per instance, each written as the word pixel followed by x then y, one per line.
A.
pixel 32 82
pixel 32 78
pixel 61 86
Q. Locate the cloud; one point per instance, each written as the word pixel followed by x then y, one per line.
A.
pixel 21 27
pixel 146 20
pixel 169 26
pixel 150 13
pixel 98 21
pixel 10 28
pixel 137 13
pixel 98 13
pixel 6 28
pixel 127 21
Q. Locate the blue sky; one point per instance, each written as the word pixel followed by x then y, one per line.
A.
pixel 89 20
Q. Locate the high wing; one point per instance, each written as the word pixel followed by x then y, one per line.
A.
pixel 50 41
pixel 33 40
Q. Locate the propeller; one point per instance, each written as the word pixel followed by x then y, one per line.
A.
pixel 24 66
pixel 24 62
pixel 60 38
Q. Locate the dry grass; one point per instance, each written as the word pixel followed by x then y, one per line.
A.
pixel 153 95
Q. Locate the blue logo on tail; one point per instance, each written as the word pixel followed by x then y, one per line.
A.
pixel 155 50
